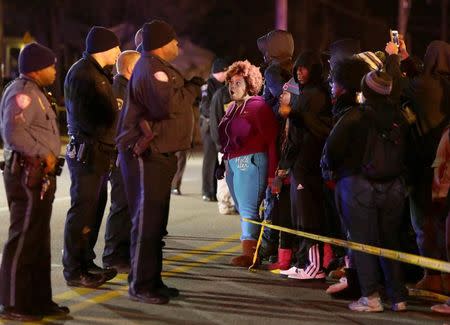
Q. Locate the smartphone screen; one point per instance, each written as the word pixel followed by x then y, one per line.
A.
pixel 394 37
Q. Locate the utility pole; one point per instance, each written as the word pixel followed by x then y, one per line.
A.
pixel 404 7
pixel 444 20
pixel 281 19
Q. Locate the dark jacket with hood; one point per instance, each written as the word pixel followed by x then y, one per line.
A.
pixel 429 97
pixel 277 48
pixel 310 120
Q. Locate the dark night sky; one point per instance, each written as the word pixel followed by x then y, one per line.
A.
pixel 227 27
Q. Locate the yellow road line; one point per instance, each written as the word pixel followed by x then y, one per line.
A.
pixel 76 292
pixel 123 288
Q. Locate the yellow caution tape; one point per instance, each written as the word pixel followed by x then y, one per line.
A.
pixel 425 262
pixel 258 245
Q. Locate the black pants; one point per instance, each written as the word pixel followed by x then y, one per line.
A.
pixel 181 166
pixel 372 214
pixel 118 224
pixel 25 270
pixel 427 218
pixel 209 182
pixel 282 217
pixel 307 210
pixel 88 192
pixel 147 184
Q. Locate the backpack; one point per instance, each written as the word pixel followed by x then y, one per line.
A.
pixel 384 154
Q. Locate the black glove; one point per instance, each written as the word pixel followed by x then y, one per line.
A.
pixel 198 81
pixel 220 171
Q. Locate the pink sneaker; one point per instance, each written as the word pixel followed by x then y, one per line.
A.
pixel 338 287
pixel 302 275
pixel 442 308
pixel 290 271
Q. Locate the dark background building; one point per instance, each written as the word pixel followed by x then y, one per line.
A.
pixel 225 27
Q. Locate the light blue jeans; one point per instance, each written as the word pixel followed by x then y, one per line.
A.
pixel 247 181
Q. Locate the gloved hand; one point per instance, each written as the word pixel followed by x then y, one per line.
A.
pixel 220 171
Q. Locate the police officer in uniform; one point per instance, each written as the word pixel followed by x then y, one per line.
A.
pixel 118 226
pixel 91 120
pixel 156 122
pixel 214 82
pixel 31 138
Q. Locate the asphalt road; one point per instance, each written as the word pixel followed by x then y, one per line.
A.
pixel 199 246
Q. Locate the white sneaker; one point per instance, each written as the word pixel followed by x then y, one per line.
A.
pixel 338 287
pixel 400 306
pixel 367 304
pixel 290 271
pixel 300 274
pixel 442 308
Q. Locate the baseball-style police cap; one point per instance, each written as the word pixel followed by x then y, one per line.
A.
pixel 156 34
pixel 100 39
pixel 35 57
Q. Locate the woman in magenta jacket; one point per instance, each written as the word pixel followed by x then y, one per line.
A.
pixel 248 133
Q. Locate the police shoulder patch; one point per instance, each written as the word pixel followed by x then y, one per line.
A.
pixel 161 76
pixel 23 100
pixel 119 103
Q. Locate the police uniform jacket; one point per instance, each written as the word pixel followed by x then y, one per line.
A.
pixel 119 87
pixel 159 94
pixel 27 120
pixel 91 105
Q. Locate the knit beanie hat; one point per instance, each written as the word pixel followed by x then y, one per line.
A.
pixel 371 59
pixel 35 57
pixel 377 82
pixel 292 87
pixel 156 34
pixel 219 65
pixel 100 39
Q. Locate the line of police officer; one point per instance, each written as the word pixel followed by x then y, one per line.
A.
pixel 152 122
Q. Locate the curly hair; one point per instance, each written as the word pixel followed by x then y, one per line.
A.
pixel 251 74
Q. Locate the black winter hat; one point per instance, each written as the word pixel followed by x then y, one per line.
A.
pixel 156 34
pixel 219 65
pixel 348 73
pixel 100 39
pixel 34 57
pixel 345 47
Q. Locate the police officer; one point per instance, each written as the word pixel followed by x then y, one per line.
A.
pixel 32 145
pixel 214 82
pixel 156 122
pixel 118 225
pixel 91 119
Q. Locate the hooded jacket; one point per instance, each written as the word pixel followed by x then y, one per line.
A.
pixel 429 97
pixel 310 121
pixel 277 47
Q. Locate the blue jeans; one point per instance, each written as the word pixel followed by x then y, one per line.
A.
pixel 372 214
pixel 247 181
